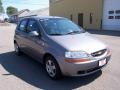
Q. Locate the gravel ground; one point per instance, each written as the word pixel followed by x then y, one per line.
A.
pixel 24 73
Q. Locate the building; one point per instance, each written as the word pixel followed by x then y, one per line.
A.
pixel 90 14
pixel 27 13
pixel 1 18
pixel 111 14
pixel 15 17
pixel 40 12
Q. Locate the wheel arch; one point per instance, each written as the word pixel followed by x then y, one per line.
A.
pixel 50 55
pixel 47 55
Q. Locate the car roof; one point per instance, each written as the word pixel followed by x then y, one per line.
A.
pixel 42 17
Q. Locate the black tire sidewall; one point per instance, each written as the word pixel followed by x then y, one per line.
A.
pixel 19 52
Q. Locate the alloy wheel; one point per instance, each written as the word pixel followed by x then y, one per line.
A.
pixel 51 68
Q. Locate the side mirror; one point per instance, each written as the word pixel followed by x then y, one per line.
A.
pixel 34 33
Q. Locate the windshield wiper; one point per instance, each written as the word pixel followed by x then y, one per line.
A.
pixel 74 32
pixel 56 34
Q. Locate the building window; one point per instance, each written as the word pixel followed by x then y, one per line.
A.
pixel 117 17
pixel 117 11
pixel 111 12
pixel 71 17
pixel 111 17
pixel 91 18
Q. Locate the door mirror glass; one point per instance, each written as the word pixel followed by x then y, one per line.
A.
pixel 34 33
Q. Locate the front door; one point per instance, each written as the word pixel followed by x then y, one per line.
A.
pixel 80 19
pixel 34 43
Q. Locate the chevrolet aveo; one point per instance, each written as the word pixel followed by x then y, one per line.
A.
pixel 61 46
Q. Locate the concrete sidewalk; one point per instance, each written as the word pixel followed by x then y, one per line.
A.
pixel 105 32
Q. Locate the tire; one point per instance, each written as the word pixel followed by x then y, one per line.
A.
pixel 17 49
pixel 52 68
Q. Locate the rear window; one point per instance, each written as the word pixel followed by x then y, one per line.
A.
pixel 22 25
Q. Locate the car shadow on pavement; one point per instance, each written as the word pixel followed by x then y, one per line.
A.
pixel 32 72
pixel 105 32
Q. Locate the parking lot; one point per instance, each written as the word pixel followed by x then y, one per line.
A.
pixel 24 73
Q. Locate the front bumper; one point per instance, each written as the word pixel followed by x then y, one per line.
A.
pixel 83 69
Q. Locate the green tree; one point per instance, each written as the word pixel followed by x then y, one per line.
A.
pixel 1 8
pixel 11 10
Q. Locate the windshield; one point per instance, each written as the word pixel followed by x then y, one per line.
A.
pixel 58 26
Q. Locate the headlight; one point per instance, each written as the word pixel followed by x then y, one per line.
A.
pixel 79 54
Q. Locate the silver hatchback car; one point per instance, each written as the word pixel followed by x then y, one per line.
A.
pixel 61 46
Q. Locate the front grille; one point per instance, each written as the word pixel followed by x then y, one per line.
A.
pixel 99 53
pixel 89 70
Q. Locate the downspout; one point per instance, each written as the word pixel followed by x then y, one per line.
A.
pixel 102 10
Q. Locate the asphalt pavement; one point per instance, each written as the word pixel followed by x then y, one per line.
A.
pixel 24 73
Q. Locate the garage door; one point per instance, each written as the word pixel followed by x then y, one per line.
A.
pixel 111 15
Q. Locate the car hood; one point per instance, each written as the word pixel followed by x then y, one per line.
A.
pixel 79 42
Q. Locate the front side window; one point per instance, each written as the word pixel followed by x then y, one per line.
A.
pixel 59 26
pixel 22 26
pixel 32 26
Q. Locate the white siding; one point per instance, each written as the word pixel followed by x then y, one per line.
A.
pixel 111 24
pixel 1 17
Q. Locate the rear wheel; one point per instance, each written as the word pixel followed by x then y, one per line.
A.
pixel 52 68
pixel 17 49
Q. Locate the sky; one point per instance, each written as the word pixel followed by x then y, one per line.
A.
pixel 26 4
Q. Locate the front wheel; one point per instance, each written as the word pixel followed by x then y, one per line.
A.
pixel 52 68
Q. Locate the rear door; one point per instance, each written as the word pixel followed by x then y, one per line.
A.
pixel 20 35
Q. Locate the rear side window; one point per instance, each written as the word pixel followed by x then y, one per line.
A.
pixel 22 26
pixel 32 26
